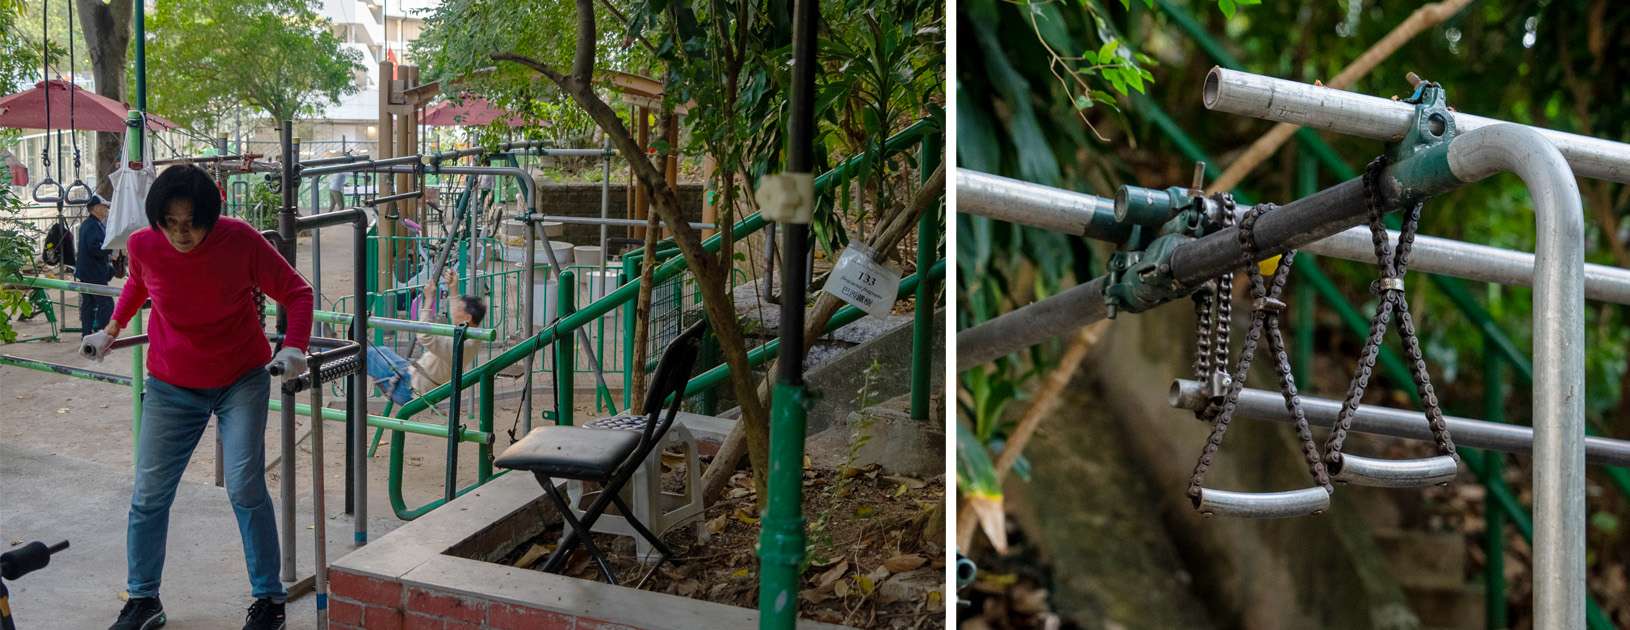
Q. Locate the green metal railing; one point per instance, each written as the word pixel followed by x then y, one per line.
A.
pixel 1502 503
pixel 568 324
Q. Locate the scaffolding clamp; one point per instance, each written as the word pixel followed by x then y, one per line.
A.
pixel 1434 121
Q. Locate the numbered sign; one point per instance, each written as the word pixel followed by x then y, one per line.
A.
pixel 861 281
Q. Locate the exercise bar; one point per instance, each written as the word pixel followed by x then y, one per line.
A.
pixel 1261 404
pixel 1331 109
pixel 1088 215
pixel 377 201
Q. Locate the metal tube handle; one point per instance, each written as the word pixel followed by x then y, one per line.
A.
pixel 47 191
pixel 1396 473
pixel 1288 504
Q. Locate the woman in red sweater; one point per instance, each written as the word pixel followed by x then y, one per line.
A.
pixel 207 355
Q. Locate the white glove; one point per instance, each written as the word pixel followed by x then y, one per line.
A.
pixel 95 346
pixel 288 363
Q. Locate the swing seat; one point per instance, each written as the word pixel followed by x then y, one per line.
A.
pixel 1288 504
pixel 1396 473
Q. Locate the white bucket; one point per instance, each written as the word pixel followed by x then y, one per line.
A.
pixel 552 229
pixel 587 254
pixel 563 252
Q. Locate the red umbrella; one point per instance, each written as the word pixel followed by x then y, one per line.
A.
pixel 91 111
pixel 474 111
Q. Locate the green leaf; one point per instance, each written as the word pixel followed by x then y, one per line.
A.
pixel 1227 8
pixel 1107 52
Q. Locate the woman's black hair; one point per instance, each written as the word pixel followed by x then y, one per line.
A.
pixel 184 181
pixel 475 307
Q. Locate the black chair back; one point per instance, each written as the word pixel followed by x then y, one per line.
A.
pixel 668 382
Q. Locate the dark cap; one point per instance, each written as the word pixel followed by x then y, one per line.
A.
pixel 95 200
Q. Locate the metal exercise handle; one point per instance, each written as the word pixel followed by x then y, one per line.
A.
pixel 78 194
pixel 1396 473
pixel 41 197
pixel 1291 503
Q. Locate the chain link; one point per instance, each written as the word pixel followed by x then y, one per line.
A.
pixel 1265 310
pixel 1213 318
pixel 1390 287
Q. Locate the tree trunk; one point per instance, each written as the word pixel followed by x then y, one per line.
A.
pixel 826 305
pixel 107 37
pixel 715 299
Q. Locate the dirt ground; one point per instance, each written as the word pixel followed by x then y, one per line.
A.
pixel 876 559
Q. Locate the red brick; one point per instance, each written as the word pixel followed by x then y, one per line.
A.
pixel 340 626
pixel 460 625
pixel 502 616
pixel 584 623
pixel 344 612
pixel 446 606
pixel 376 618
pixel 364 589
pixel 421 621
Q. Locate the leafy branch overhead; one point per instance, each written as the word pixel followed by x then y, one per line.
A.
pixel 275 57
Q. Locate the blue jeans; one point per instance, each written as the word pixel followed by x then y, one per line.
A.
pixel 389 372
pixel 94 312
pixel 173 420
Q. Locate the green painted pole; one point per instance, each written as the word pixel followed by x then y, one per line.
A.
pixel 922 328
pixel 1494 585
pixel 630 274
pixel 565 349
pixel 65 370
pixel 781 533
pixel 483 462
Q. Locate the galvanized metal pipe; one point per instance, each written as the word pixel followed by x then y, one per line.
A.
pixel 1559 356
pixel 1049 208
pixel 1266 405
pixel 1331 109
pixel 1287 504
pixel 1069 212
pixel 603 221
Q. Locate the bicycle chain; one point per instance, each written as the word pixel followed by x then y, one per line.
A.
pixel 1266 305
pixel 1390 287
pixel 1213 316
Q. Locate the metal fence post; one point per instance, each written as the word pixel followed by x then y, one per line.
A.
pixel 565 348
pixel 922 341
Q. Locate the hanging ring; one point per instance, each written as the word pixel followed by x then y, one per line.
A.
pixel 78 194
pixel 47 191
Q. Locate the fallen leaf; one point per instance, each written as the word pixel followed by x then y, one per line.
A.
pixel 866 584
pixel 815 595
pixel 62 410
pixel 532 555
pixel 841 588
pixel 740 572
pixel 904 562
pixel 831 575
pixel 909 482
pixel 743 516
pixel 717 524
pixel 687 587
pixel 737 493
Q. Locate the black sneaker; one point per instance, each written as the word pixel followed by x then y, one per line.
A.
pixel 140 613
pixel 264 614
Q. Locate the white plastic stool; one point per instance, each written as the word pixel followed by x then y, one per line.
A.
pixel 661 511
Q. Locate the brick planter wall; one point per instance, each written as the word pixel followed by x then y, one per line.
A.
pixel 440 572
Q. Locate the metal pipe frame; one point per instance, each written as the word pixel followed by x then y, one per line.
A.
pixel 1559 537
pixel 1266 405
pixel 605 221
pixel 1077 213
pixel 361 166
pixel 378 201
pixel 1350 113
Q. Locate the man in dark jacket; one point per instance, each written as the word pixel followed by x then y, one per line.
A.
pixel 94 265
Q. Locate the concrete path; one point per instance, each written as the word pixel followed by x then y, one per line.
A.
pixel 52 497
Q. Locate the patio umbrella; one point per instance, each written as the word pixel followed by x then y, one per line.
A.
pixel 473 111
pixel 91 111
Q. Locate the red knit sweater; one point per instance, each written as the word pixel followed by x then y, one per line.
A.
pixel 204 330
